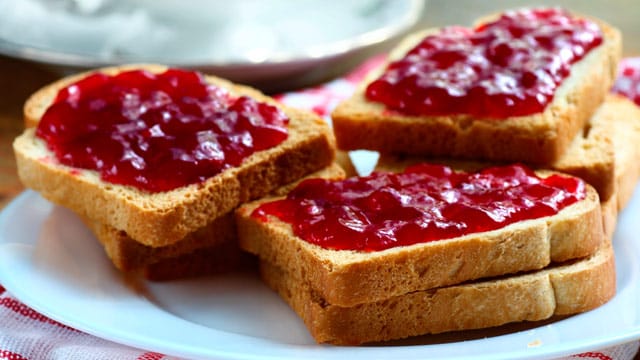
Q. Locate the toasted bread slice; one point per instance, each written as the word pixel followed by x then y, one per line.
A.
pixel 590 155
pixel 541 138
pixel 625 128
pixel 160 219
pixel 626 136
pixel 560 289
pixel 347 278
pixel 212 260
pixel 606 154
pixel 128 254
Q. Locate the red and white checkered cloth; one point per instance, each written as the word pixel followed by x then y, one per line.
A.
pixel 27 334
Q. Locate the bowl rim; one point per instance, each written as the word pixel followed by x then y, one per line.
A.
pixel 326 50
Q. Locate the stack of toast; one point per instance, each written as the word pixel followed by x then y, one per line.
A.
pixel 485 279
pixel 189 230
pixel 530 270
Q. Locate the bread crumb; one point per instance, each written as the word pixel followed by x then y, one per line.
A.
pixel 535 343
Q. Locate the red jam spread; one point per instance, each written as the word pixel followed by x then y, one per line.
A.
pixel 628 80
pixel 424 203
pixel 157 132
pixel 509 67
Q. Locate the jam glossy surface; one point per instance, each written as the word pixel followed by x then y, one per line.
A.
pixel 157 132
pixel 509 67
pixel 424 203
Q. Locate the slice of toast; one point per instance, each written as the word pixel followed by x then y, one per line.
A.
pixel 542 138
pixel 129 255
pixel 347 278
pixel 219 236
pixel 160 219
pixel 561 289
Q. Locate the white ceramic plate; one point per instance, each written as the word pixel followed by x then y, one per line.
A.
pixel 248 41
pixel 51 262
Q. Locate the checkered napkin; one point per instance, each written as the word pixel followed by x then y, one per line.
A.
pixel 27 334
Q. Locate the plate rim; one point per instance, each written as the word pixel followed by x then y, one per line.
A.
pixel 319 351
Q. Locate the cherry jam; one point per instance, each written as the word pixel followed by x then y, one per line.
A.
pixel 508 67
pixel 157 132
pixel 424 203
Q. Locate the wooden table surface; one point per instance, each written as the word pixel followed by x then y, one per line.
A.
pixel 19 78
